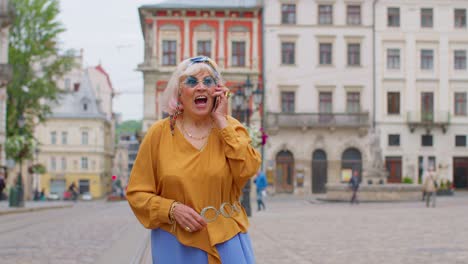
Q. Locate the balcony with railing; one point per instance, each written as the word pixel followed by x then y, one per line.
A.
pixel 428 120
pixel 317 120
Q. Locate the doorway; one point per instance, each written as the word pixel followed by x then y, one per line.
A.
pixel 284 172
pixel 393 165
pixel 319 171
pixel 460 173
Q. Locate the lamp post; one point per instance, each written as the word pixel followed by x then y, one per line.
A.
pixel 19 182
pixel 242 99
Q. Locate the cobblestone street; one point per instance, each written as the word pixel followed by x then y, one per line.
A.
pixel 290 231
pixel 314 232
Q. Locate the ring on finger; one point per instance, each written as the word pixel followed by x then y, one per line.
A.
pixel 228 94
pixel 188 229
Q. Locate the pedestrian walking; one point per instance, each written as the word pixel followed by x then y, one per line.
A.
pixel 2 183
pixel 261 184
pixel 188 176
pixel 354 185
pixel 430 186
pixel 74 191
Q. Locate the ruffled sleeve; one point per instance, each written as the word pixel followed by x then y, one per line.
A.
pixel 149 208
pixel 244 160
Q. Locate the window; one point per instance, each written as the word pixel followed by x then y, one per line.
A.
pixel 84 163
pixel 53 137
pixel 393 59
pixel 325 53
pixel 169 50
pixel 204 48
pixel 353 15
pixel 460 104
pixel 84 138
pixel 426 140
pixel 427 18
pixel 325 102
pixel 325 14
pixel 64 138
pixel 353 104
pixel 287 53
pixel 354 54
pixel 288 14
pixel 287 102
pixel 427 59
pixel 394 140
pixel 53 164
pixel 393 103
pixel 460 18
pixel 460 60
pixel 460 141
pixel 393 17
pixel 64 163
pixel 238 53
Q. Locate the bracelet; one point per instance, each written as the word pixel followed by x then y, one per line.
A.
pixel 171 212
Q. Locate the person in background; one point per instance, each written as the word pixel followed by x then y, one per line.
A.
pixel 430 186
pixel 354 184
pixel 189 173
pixel 261 183
pixel 2 183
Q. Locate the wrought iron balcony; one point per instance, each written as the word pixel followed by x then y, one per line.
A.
pixel 311 120
pixel 428 120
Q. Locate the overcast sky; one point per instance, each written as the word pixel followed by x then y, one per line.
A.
pixel 109 33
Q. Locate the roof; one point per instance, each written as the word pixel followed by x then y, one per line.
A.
pixel 70 105
pixel 212 4
pixel 101 70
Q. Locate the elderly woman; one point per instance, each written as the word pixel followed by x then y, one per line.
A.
pixel 191 167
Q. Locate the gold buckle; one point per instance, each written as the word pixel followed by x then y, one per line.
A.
pixel 226 209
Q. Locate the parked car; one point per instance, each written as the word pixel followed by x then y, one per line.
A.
pixel 86 196
pixel 53 196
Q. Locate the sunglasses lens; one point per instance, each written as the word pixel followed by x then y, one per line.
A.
pixel 191 81
pixel 208 82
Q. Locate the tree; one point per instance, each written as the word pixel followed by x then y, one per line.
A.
pixel 37 65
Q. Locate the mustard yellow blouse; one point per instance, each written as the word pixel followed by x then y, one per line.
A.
pixel 168 168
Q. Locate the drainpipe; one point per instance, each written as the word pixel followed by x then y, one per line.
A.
pixel 374 78
pixel 262 118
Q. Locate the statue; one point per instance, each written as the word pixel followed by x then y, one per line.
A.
pixel 375 171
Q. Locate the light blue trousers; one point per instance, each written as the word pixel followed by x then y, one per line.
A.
pixel 165 249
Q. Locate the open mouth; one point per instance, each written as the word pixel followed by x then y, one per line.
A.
pixel 201 100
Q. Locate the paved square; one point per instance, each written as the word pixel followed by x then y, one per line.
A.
pixel 300 231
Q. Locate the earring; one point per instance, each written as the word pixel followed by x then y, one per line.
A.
pixel 173 118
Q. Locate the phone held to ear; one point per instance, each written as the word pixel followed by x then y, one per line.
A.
pixel 215 103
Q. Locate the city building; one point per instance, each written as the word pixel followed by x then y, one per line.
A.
pixel 319 92
pixel 422 85
pixel 128 149
pixel 229 32
pixel 5 72
pixel 77 139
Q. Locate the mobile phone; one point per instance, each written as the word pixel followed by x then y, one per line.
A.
pixel 215 104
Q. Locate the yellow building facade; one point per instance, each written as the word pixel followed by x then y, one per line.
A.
pixel 77 141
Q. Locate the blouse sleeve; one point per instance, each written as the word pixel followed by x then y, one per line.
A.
pixel 150 209
pixel 243 159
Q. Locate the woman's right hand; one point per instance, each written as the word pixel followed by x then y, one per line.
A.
pixel 185 216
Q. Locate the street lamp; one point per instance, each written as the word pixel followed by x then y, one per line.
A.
pixel 241 101
pixel 19 182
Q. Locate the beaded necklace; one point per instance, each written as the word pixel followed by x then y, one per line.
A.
pixel 192 136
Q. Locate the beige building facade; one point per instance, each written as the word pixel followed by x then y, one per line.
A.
pixel 5 72
pixel 77 140
pixel 422 87
pixel 318 69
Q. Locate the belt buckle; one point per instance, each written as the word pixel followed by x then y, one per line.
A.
pixel 226 209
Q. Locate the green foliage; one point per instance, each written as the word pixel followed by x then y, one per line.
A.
pixel 407 180
pixel 20 147
pixel 37 168
pixel 36 62
pixel 130 126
